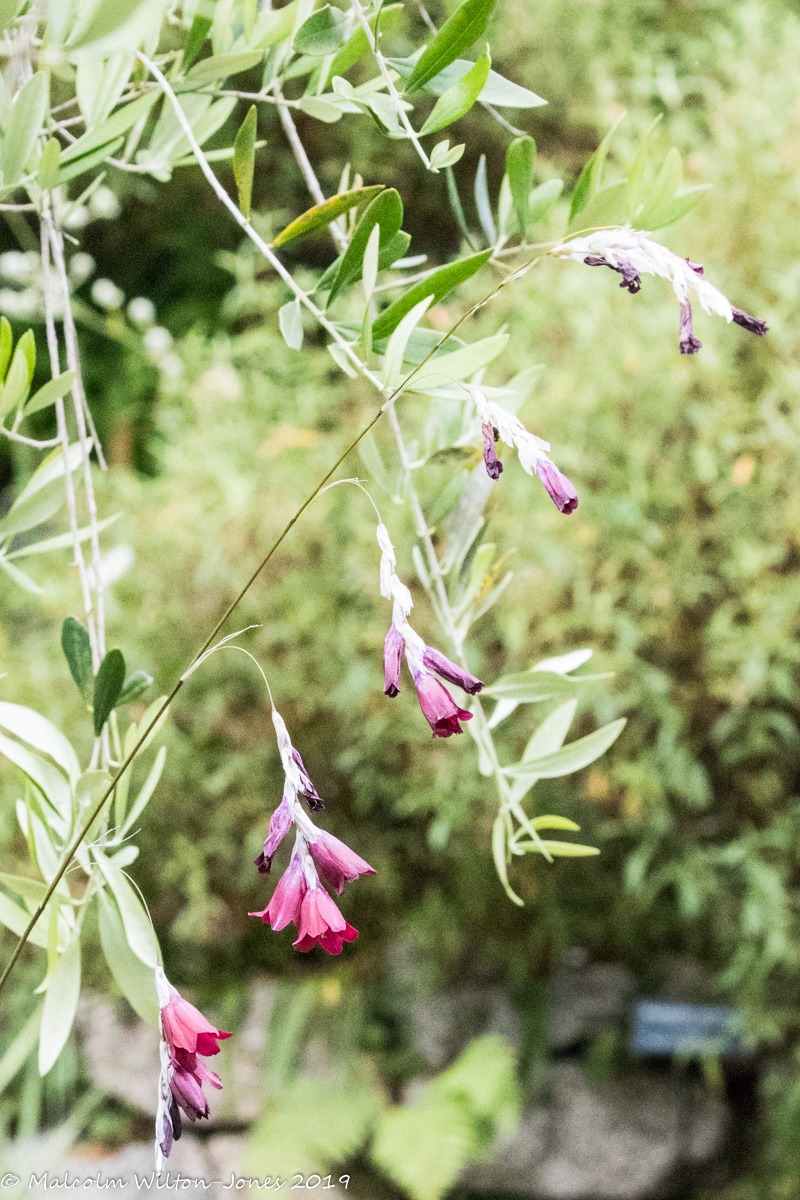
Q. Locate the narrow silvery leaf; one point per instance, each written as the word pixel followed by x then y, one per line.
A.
pixel 17 1053
pixel 220 66
pixel 61 540
pixel 136 684
pixel 572 757
pixel 21 578
pixel 110 129
pixel 542 198
pixel 322 33
pixel 548 738
pixel 528 687
pixel 386 212
pixel 290 320
pixel 458 364
pixel 47 171
pixel 563 663
pixel 16 918
pixel 483 203
pixel 135 980
pixel 51 391
pixel 591 177
pixel 321 215
pixel 99 83
pixel 148 787
pixel 24 124
pixel 138 930
pixel 459 99
pixel 550 735
pixel 60 1004
pixel 369 272
pixel 438 285
pixel 6 343
pixel 393 359
pixel 244 158
pixel 108 25
pixel 31 727
pixel 519 165
pixel 459 32
pixel 47 778
pixel 342 361
pixel 108 685
pixel 29 511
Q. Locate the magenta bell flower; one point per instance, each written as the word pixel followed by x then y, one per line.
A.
pixel 392 657
pixel 560 489
pixel 185 1027
pixel 440 710
pixel 185 1034
pixel 434 660
pixel 438 706
pixel 279 825
pixel 308 791
pixel 322 924
pixel 494 468
pixel 337 862
pixel 284 907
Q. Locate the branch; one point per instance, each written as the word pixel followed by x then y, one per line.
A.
pixel 255 237
pixel 63 436
pixel 304 163
pixel 386 75
pixel 13 436
pixel 448 621
pixel 390 397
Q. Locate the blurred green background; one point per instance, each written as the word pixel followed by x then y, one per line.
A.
pixel 680 569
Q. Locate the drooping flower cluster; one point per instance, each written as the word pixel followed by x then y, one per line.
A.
pixel 438 706
pixel 185 1033
pixel 632 253
pixel 498 424
pixel 299 898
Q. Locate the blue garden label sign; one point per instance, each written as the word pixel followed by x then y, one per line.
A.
pixel 661 1028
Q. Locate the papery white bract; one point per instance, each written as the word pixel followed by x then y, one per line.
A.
pixel 633 253
pixel 497 423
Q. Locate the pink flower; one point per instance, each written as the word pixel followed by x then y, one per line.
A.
pixel 630 276
pixel 392 657
pixel 562 491
pixel 438 706
pixel 322 924
pixel 494 468
pixel 284 907
pixel 688 343
pixel 185 1033
pixel 185 1028
pixel 434 660
pixel 279 824
pixel 752 324
pixel 307 790
pixel 188 1092
pixel 337 862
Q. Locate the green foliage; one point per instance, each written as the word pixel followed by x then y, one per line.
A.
pixel 244 158
pixel 108 684
pixel 78 652
pixel 321 215
pixel 466 25
pixel 459 99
